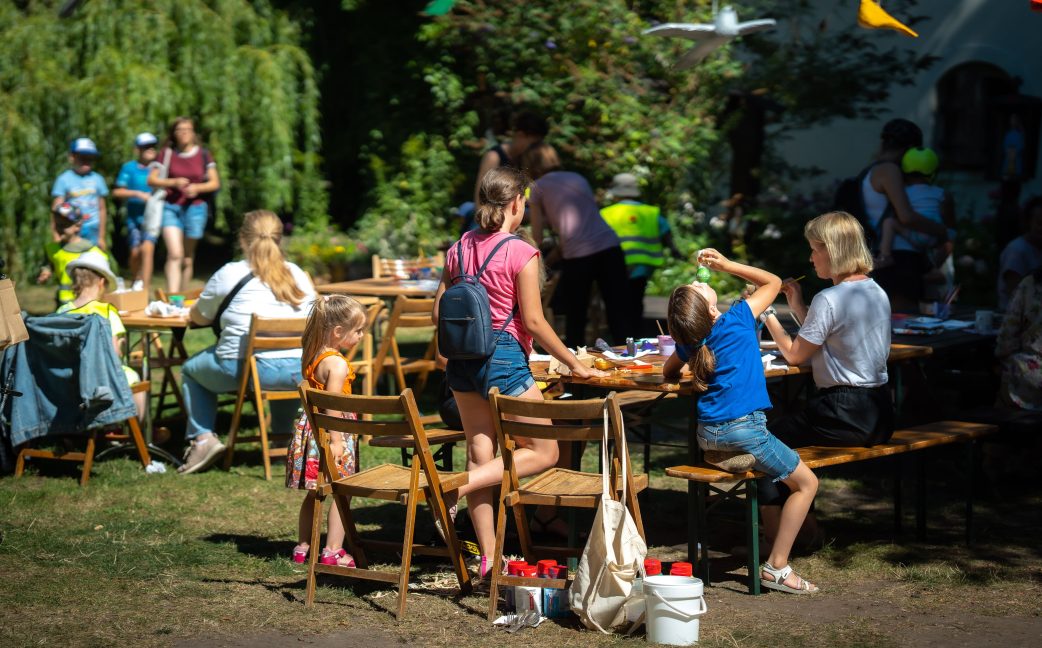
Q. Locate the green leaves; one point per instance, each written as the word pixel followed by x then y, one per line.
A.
pixel 121 67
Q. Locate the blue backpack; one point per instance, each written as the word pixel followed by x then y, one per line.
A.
pixel 464 315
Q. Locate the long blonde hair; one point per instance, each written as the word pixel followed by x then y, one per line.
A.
pixel 260 235
pixel 690 322
pixel 844 240
pixel 328 312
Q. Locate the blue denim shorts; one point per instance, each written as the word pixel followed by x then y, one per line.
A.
pixel 507 368
pixel 749 434
pixel 136 231
pixel 190 218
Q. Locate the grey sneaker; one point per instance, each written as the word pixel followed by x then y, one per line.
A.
pixel 205 450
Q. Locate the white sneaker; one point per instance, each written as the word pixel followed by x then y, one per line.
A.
pixel 205 450
pixel 137 285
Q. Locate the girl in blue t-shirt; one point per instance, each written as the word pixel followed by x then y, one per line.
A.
pixel 723 354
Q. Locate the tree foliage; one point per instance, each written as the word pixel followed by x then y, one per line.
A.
pixel 614 102
pixel 119 67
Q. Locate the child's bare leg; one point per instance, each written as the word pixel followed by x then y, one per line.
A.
pixel 305 519
pixel 886 243
pixel 335 531
pixel 140 402
pixel 804 485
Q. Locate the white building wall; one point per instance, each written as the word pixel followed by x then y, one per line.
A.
pixel 1001 32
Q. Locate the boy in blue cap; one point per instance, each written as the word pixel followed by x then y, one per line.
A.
pixel 85 189
pixel 132 186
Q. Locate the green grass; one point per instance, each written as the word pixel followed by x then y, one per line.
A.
pixel 159 559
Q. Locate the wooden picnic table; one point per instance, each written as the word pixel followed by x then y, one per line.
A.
pixel 655 382
pixel 382 287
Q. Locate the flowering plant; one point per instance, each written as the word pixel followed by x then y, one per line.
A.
pixel 325 253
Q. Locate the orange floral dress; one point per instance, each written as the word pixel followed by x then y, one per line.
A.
pixel 302 456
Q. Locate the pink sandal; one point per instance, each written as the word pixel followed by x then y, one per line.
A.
pixel 300 554
pixel 339 557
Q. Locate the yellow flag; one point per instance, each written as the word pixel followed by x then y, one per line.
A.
pixel 872 16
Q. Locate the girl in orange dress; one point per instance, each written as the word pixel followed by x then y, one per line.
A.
pixel 336 322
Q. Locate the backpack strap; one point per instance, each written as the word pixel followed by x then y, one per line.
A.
pixel 481 270
pixel 227 301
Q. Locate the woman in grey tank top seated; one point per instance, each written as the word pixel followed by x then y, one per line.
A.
pixel 846 337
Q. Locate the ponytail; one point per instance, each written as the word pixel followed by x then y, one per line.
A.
pixel 327 312
pixel 498 188
pixel 260 235
pixel 690 322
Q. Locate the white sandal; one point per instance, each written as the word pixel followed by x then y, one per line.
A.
pixel 779 577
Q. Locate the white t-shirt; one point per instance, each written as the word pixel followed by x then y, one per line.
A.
pixel 254 297
pixel 1021 257
pixel 851 322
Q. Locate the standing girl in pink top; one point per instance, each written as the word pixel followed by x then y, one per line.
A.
pixel 512 280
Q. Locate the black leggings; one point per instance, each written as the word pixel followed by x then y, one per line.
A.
pixel 837 417
pixel 608 269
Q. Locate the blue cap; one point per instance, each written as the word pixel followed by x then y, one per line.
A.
pixel 145 139
pixel 83 146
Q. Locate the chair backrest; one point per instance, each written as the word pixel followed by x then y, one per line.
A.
pixel 274 333
pixel 376 416
pixel 405 268
pixel 373 307
pixel 562 421
pixel 163 296
pixel 407 313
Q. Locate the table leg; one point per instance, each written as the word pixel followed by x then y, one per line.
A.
pixel 898 513
pixel 920 498
pixel 753 519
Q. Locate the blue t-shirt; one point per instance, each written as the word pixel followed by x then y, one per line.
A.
pixel 86 192
pixel 134 176
pixel 738 386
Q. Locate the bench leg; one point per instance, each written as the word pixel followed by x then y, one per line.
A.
pixel 898 513
pixel 920 498
pixel 697 529
pixel 972 457
pixel 753 518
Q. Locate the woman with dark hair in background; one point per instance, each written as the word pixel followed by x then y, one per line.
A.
pixel 186 171
pixel 884 196
pixel 588 247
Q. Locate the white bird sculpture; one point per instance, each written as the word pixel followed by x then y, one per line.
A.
pixel 725 27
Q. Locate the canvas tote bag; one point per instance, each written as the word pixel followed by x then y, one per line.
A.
pixel 613 555
pixel 155 203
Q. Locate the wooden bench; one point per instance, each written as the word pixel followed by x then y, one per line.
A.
pixel 704 476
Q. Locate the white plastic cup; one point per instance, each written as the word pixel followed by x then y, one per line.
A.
pixel 984 321
pixel 528 598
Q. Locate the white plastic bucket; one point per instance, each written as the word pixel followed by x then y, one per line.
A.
pixel 674 604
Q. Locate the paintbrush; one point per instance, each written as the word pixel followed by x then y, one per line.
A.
pixel 799 278
pixel 659 325
pixel 954 293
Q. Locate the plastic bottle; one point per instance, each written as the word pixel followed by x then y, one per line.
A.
pixel 513 569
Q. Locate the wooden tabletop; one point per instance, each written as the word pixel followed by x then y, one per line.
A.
pixel 138 320
pixel 655 381
pixel 382 287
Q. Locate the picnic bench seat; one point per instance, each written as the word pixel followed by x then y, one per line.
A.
pixel 703 477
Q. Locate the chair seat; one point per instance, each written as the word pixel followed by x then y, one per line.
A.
pixel 390 482
pixel 569 487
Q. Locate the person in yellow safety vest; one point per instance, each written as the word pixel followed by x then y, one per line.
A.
pixel 645 235
pixel 70 246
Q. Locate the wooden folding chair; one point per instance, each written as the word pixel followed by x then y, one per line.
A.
pixel 364 366
pixel 420 482
pixel 564 421
pixel 265 334
pixel 406 268
pixel 87 456
pixel 407 313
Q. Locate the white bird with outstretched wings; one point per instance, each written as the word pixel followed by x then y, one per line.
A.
pixel 724 28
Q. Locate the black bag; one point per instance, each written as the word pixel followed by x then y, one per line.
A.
pixel 850 198
pixel 464 315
